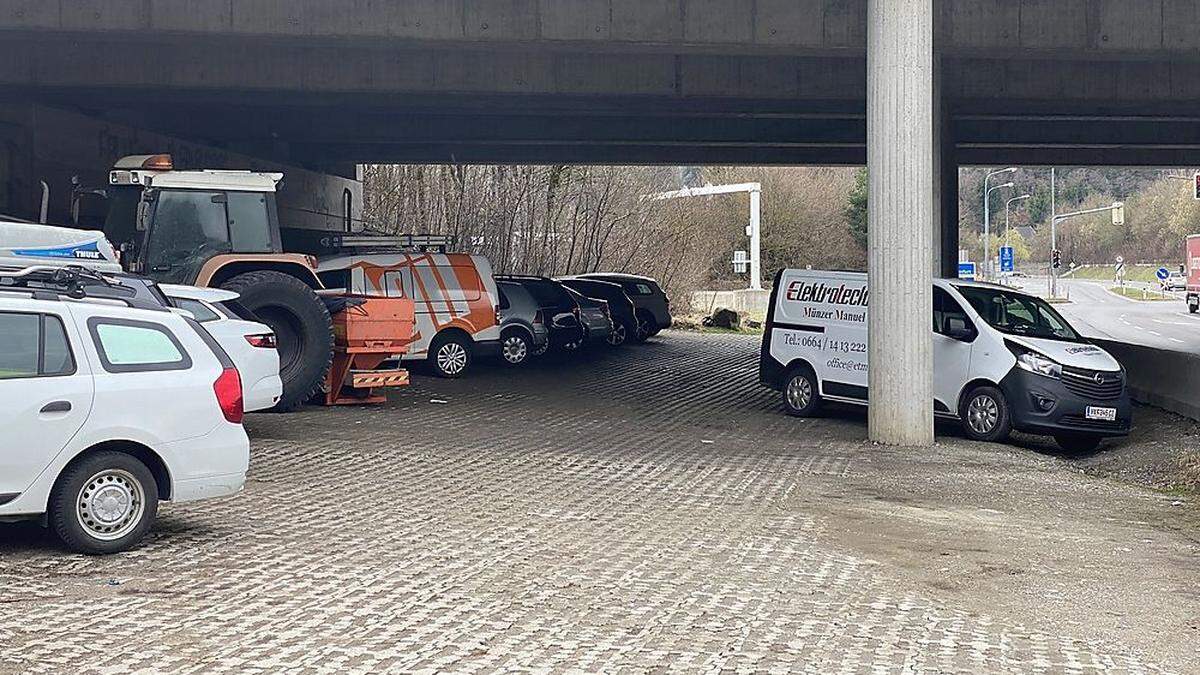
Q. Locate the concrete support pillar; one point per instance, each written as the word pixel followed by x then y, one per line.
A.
pixel 900 144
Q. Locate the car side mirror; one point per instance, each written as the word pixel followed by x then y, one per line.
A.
pixel 957 329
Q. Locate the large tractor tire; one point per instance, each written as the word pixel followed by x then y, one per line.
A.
pixel 302 328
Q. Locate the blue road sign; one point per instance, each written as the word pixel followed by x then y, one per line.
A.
pixel 1162 274
pixel 966 270
pixel 1006 259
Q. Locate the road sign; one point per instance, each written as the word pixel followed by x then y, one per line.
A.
pixel 1162 273
pixel 1120 260
pixel 741 262
pixel 1006 259
pixel 966 270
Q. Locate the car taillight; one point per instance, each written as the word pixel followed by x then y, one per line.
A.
pixel 538 317
pixel 228 389
pixel 264 340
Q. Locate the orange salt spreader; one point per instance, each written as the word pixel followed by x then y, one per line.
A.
pixel 367 330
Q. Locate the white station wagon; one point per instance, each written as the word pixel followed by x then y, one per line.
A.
pixel 108 408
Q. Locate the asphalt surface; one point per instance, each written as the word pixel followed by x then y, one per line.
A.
pixel 1096 312
pixel 643 510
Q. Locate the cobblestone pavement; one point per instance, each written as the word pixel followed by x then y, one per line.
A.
pixel 650 509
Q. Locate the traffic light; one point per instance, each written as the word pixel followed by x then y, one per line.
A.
pixel 1196 183
pixel 1056 258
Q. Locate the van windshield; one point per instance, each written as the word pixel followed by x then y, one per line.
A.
pixel 1018 314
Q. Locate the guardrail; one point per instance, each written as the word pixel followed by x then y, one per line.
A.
pixel 1160 377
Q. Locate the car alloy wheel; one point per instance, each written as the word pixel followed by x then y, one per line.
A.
pixel 617 337
pixel 643 329
pixel 110 505
pixel 799 392
pixel 515 349
pixel 452 358
pixel 983 414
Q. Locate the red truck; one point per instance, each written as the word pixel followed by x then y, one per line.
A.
pixel 1192 262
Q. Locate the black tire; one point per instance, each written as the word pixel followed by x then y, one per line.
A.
pixel 515 347
pixel 450 355
pixel 644 329
pixel 1078 443
pixel 801 394
pixel 619 335
pixel 302 327
pixel 985 415
pixel 102 478
pixel 1194 308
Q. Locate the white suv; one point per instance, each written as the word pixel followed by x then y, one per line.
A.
pixel 106 408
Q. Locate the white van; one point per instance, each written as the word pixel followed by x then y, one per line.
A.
pixel 1003 359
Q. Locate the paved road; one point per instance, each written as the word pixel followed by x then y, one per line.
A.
pixel 643 511
pixel 1095 312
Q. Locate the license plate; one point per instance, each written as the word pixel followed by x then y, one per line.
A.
pixel 1106 414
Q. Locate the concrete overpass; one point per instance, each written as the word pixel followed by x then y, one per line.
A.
pixel 328 83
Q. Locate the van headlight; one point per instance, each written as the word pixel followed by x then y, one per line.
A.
pixel 1035 363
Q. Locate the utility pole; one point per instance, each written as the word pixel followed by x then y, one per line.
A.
pixel 1053 237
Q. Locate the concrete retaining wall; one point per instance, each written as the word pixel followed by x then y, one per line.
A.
pixel 1160 377
pixel 742 301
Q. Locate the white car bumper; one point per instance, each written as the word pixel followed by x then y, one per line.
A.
pixel 262 394
pixel 213 465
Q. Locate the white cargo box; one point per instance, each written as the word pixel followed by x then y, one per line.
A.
pixel 26 244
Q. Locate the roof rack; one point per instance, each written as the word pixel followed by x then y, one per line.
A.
pixel 426 243
pixel 49 282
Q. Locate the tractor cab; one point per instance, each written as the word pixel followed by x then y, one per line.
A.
pixel 169 224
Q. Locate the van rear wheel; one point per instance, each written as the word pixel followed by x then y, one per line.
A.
pixel 800 395
pixel 450 355
pixel 985 415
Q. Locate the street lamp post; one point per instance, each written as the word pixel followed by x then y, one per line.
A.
pixel 987 230
pixel 1007 230
pixel 1007 204
pixel 987 217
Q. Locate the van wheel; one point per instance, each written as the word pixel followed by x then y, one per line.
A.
pixel 515 347
pixel 1194 308
pixel 800 395
pixel 450 355
pixel 106 503
pixel 1078 443
pixel 985 415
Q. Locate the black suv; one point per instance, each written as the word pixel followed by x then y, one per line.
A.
pixel 652 305
pixel 559 309
pixel 620 307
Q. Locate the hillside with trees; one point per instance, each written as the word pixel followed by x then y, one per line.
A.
pixel 563 219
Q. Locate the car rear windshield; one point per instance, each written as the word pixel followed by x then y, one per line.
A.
pixel 236 310
pixel 548 294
